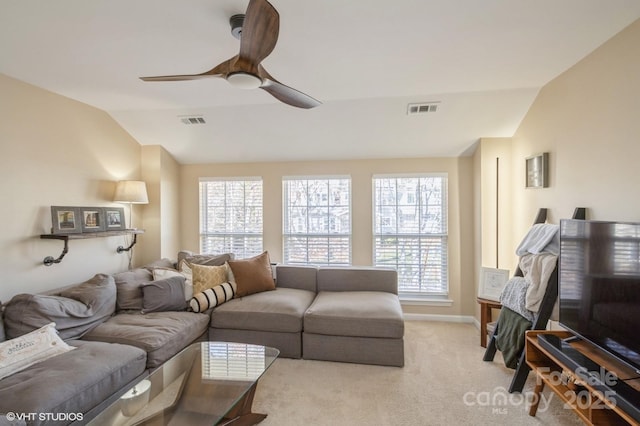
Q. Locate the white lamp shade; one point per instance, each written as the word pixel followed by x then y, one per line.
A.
pixel 131 191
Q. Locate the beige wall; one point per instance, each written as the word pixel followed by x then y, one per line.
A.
pixel 493 208
pixel 494 182
pixel 588 119
pixel 361 172
pixel 161 172
pixel 55 151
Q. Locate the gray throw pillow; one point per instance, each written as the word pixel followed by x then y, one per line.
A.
pixel 129 291
pixel 164 295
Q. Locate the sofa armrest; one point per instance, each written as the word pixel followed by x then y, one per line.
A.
pixel 357 279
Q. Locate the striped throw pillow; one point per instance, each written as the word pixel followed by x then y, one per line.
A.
pixel 212 297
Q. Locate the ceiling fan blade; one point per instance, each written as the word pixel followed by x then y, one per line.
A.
pixel 178 77
pixel 220 70
pixel 259 31
pixel 287 94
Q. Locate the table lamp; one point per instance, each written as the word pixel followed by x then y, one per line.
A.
pixel 131 192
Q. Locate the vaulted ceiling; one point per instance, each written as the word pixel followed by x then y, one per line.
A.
pixel 483 62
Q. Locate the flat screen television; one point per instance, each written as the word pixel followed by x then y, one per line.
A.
pixel 599 285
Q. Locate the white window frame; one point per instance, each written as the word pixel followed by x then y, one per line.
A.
pixel 439 291
pixel 248 238
pixel 310 236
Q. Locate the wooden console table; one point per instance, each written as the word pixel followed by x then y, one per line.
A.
pixel 486 306
pixel 593 406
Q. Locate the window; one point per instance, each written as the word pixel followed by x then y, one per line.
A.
pixel 317 221
pixel 410 231
pixel 231 216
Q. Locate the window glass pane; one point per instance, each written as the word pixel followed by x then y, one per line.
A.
pixel 317 221
pixel 410 231
pixel 231 216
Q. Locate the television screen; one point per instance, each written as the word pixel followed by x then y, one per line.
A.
pixel 599 282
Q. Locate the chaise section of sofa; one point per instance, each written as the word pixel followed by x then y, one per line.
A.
pixel 347 314
pixel 272 318
pixel 356 317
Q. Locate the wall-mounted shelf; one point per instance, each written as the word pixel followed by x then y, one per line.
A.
pixel 49 260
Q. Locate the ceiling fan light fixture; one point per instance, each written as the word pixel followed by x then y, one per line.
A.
pixel 243 80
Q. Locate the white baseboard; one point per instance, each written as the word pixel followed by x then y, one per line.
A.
pixel 476 323
pixel 443 318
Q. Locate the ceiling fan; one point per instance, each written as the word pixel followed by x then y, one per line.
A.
pixel 258 33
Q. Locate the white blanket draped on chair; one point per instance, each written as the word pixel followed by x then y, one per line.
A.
pixel 538 253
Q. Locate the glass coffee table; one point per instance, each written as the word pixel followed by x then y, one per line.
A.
pixel 208 383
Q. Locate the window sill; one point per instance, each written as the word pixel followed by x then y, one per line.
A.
pixel 425 301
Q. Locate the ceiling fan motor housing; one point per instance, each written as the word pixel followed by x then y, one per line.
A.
pixel 244 80
pixel 236 22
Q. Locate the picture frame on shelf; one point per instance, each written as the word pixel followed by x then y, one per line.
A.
pixel 114 219
pixel 537 171
pixel 65 220
pixel 492 281
pixel 92 219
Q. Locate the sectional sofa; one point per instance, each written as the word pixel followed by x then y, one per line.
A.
pixel 123 326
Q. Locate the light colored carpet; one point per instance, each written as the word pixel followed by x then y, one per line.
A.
pixel 444 381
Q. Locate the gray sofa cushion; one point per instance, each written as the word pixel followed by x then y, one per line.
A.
pixel 3 336
pixel 355 313
pixel 73 382
pixel 75 310
pixel 301 277
pixel 204 259
pixel 129 291
pixel 160 263
pixel 160 334
pixel 357 279
pixel 279 310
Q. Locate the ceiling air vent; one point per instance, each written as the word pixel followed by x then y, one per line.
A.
pixel 197 119
pixel 422 108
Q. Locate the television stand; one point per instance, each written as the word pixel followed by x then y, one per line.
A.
pixel 600 389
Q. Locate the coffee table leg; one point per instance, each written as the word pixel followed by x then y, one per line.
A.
pixel 240 414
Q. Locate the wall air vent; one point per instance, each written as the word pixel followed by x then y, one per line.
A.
pixel 422 108
pixel 195 119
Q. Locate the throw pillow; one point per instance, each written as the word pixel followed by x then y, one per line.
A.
pixel 129 291
pixel 162 273
pixel 22 352
pixel 163 295
pixel 252 275
pixel 205 277
pixel 212 297
pixel 185 269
